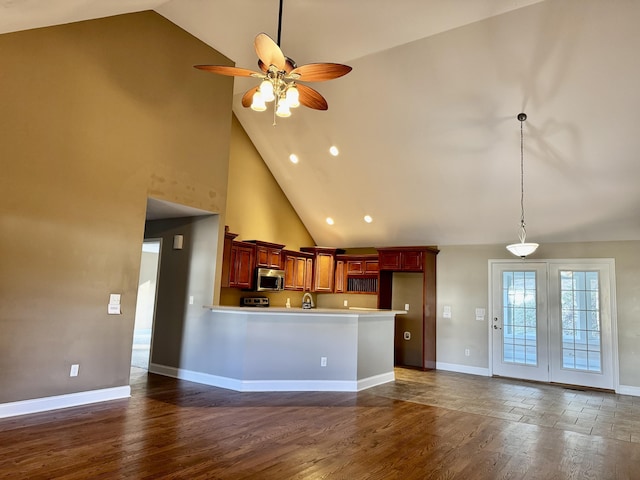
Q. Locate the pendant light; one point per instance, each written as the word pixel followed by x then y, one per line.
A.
pixel 523 248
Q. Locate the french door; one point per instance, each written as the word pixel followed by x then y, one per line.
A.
pixel 553 322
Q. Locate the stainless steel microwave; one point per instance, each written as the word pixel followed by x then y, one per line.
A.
pixel 269 280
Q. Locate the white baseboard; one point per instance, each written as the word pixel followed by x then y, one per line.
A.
pixel 271 385
pixel 452 367
pixel 44 404
pixel 628 390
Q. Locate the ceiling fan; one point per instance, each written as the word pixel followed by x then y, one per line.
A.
pixel 280 78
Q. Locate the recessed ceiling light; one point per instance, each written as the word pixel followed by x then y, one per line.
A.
pixel 294 158
pixel 330 220
pixel 368 219
pixel 334 151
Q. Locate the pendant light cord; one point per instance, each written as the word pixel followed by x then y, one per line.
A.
pixel 523 231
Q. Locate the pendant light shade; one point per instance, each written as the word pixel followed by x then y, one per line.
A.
pixel 522 249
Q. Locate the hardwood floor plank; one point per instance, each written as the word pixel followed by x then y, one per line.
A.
pixel 180 430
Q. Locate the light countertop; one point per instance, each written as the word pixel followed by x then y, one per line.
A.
pixel 304 311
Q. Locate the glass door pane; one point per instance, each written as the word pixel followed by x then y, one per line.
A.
pixel 519 317
pixel 519 323
pixel 580 307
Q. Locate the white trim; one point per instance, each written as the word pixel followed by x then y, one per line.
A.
pixel 453 367
pixel 24 407
pixel 272 385
pixel 628 390
pixel 369 382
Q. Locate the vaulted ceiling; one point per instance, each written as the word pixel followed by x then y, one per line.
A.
pixel 426 121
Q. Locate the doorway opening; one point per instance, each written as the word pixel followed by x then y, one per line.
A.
pixel 146 304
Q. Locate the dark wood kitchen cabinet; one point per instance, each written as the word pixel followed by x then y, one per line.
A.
pixel 242 265
pixel 298 269
pixel 408 276
pixel 238 262
pixel 357 274
pixel 268 255
pixel 401 259
pixel 324 259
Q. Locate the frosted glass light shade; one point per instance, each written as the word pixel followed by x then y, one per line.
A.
pixel 266 90
pixel 283 110
pixel 258 104
pixel 522 249
pixel 293 97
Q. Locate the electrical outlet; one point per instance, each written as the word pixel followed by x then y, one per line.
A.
pixel 346 303
pixel 74 370
pixel 467 352
pixel 407 335
pixel 406 307
pixel 323 361
pixel 191 299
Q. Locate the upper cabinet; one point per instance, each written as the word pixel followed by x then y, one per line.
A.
pixel 268 255
pixel 242 265
pixel 324 261
pixel 401 259
pixel 357 274
pixel 298 270
pixel 238 262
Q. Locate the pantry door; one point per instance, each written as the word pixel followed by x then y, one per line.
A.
pixel 519 323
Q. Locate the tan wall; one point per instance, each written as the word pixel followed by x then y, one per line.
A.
pixel 96 116
pixel 257 209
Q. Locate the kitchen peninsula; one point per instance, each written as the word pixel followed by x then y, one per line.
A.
pixel 294 349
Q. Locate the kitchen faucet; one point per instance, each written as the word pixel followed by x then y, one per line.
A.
pixel 307 300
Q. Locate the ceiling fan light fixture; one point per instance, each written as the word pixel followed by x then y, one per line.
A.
pixel 279 77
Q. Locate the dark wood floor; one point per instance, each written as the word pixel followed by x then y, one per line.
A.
pixel 182 430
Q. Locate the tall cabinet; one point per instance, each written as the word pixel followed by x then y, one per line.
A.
pixel 408 277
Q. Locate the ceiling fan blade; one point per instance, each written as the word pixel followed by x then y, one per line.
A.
pixel 310 98
pixel 247 98
pixel 320 72
pixel 228 71
pixel 268 51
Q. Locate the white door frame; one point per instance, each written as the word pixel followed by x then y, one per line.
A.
pixel 610 262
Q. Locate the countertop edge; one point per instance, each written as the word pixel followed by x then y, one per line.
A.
pixel 303 311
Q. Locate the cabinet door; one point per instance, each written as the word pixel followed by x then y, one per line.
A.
pixel 412 261
pixel 324 272
pixel 308 275
pixel 340 277
pixel 244 265
pixel 371 266
pixel 355 267
pixel 390 261
pixel 275 258
pixel 301 270
pixel 290 274
pixel 268 257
